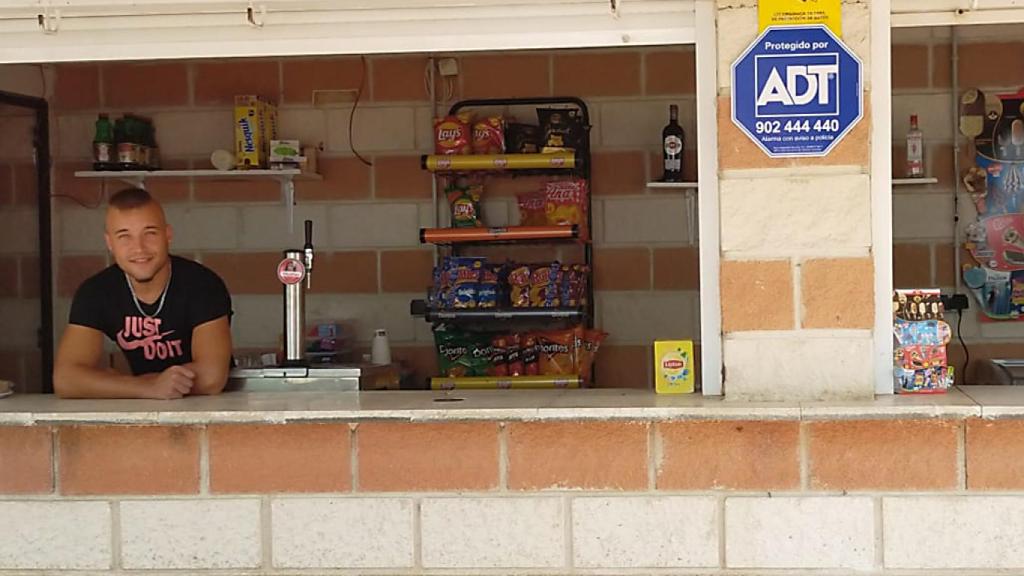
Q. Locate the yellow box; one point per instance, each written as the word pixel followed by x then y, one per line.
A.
pixel 255 127
pixel 673 366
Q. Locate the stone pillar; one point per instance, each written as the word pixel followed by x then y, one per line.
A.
pixel 796 246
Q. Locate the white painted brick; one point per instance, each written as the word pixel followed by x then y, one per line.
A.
pixel 174 534
pixel 768 217
pixel 961 531
pixel 497 212
pixel 826 532
pixel 647 219
pixel 367 312
pixel 374 225
pixel 343 533
pixel 55 535
pixel 257 320
pixel 923 216
pixel 492 532
pixel 17 141
pixel 308 126
pixel 21 320
pixel 638 124
pixel 634 318
pixel 19 231
pixel 641 532
pixel 194 133
pixel 933 115
pixel 81 230
pixel 374 129
pixel 203 228
pixel 266 227
pixel 742 26
pixel 775 367
pixel 74 136
pixel 424 129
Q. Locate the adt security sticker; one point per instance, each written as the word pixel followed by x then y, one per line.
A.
pixel 796 91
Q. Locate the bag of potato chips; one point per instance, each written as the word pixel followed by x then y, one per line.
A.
pixel 565 204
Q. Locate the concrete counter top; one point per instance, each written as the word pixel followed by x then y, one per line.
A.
pixel 596 404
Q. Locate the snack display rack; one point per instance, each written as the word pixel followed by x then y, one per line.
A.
pixel 454 241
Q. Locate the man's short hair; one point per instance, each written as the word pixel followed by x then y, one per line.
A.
pixel 130 198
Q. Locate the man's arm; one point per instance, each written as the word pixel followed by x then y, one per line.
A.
pixel 78 373
pixel 211 356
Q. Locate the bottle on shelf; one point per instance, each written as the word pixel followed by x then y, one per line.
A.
pixel 915 150
pixel 380 349
pixel 672 139
pixel 103 147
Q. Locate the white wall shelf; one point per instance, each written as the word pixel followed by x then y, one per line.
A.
pixel 682 185
pixel 914 181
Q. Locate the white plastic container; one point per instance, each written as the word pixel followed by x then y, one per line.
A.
pixel 380 349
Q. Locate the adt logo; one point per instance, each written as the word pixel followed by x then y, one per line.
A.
pixel 797 91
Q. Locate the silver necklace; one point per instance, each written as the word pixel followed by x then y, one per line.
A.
pixel 163 295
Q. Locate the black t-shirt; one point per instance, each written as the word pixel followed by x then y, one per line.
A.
pixel 195 295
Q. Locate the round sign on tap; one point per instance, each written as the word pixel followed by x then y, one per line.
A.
pixel 291 271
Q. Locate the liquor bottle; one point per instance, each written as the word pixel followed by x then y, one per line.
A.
pixel 672 147
pixel 915 150
pixel 103 149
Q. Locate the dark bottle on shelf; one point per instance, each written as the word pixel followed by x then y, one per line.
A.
pixel 104 151
pixel 672 139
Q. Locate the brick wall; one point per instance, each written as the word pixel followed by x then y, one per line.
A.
pixel 370 263
pixel 560 497
pixel 19 236
pixel 923 233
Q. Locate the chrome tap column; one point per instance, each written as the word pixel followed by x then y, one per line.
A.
pixel 296 266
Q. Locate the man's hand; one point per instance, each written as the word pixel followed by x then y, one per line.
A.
pixel 174 382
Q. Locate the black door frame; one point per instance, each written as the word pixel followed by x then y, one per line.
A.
pixel 41 147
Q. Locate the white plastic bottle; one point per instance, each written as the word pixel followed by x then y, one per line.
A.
pixel 380 349
pixel 915 150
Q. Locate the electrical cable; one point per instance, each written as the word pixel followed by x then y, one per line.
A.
pixel 352 113
pixel 959 335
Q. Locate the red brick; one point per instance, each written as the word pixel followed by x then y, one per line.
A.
pixel 837 293
pixel 399 78
pixel 735 455
pixel 883 455
pixel 406 270
pixel 942 68
pixel 989 64
pixel 302 77
pixel 597 73
pixel 26 458
pixel 134 85
pixel 9 277
pixel 77 87
pixel 26 183
pixel 220 82
pixel 210 190
pixel 128 460
pixel 29 274
pixel 73 270
pixel 618 366
pixel 670 72
pixel 247 273
pixel 66 187
pixel 346 273
pixel 911 266
pixel 995 454
pixel 169 190
pixel 589 455
pixel 343 179
pixel 280 458
pixel 909 66
pixel 505 76
pixel 427 457
pixel 622 269
pixel 6 184
pixel 615 173
pixel 676 268
pixel 757 296
pixel 400 177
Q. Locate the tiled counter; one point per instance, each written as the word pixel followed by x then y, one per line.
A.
pixel 552 482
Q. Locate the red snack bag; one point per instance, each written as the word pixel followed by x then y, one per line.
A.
pixel 519 285
pixel 499 355
pixel 489 136
pixel 514 357
pixel 556 352
pixel 586 351
pixel 531 209
pixel 565 204
pixel 529 353
pixel 452 135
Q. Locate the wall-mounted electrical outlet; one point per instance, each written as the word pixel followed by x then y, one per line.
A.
pixel 448 67
pixel 955 302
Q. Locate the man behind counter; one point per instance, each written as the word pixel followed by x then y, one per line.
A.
pixel 169 315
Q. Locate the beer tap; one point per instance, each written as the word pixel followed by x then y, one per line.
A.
pixel 293 269
pixel 307 250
